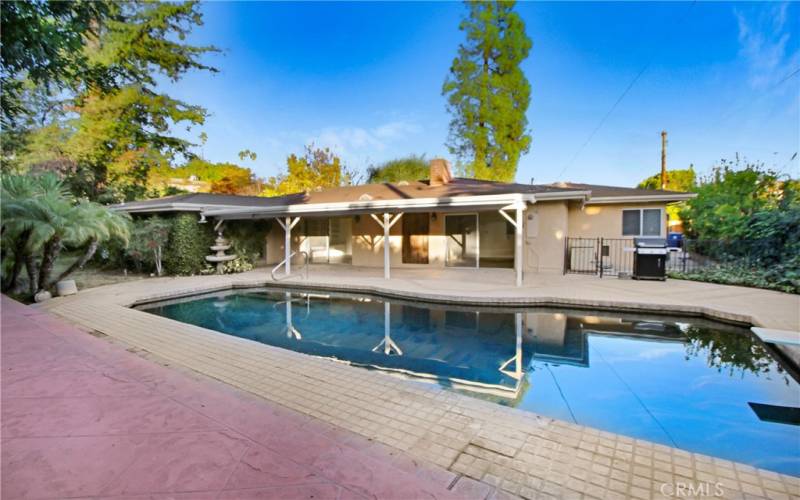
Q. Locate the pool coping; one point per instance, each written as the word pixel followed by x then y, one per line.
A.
pixel 528 454
pixel 678 310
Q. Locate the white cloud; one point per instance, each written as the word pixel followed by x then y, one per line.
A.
pixel 766 45
pixel 357 144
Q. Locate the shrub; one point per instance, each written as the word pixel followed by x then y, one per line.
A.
pixel 150 237
pixel 780 277
pixel 189 244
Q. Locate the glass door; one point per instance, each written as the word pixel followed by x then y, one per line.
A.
pixel 340 249
pixel 316 232
pixel 461 232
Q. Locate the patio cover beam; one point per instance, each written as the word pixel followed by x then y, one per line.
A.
pixel 386 224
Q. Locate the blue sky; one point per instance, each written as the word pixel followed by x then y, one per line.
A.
pixel 365 79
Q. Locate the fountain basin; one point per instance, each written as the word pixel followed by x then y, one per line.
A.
pixel 220 258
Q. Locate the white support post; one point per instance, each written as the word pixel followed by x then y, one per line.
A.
pixel 386 224
pixel 518 246
pixel 287 226
pixel 518 350
pixel 517 223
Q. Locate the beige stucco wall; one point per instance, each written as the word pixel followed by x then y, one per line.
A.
pixel 368 243
pixel 546 226
pixel 595 221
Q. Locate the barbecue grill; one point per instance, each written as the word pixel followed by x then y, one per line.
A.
pixel 650 259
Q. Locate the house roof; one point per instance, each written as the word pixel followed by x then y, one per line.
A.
pixel 617 194
pixel 407 195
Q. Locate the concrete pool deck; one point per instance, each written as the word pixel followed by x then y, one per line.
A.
pixel 82 417
pixel 518 452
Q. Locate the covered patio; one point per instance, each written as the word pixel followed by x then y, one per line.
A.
pixel 470 232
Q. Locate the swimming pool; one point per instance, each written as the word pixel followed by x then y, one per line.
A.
pixel 700 386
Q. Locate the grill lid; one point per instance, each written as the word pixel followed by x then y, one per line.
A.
pixel 650 242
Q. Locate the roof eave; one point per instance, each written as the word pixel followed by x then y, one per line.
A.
pixel 371 206
pixel 606 200
pixel 168 207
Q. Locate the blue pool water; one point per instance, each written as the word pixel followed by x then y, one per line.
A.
pixel 700 386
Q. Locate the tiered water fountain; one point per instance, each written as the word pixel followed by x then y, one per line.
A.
pixel 219 246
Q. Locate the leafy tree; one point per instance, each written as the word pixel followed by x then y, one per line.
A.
pixel 409 168
pixel 115 132
pixel 746 220
pixel 677 180
pixel 317 169
pixel 246 153
pixel 42 44
pixel 225 178
pixel 50 220
pixel 728 199
pixel 487 92
pixel 148 239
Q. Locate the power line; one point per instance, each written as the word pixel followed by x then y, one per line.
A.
pixel 616 103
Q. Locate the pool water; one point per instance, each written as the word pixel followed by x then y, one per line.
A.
pixel 700 386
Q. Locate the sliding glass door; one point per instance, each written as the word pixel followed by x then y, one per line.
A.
pixel 461 232
pixel 329 241
pixel 340 250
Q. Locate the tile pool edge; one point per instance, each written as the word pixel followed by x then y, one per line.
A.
pixel 678 310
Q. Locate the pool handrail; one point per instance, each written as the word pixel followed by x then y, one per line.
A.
pixel 305 265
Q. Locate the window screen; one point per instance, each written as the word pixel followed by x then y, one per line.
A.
pixel 651 222
pixel 631 223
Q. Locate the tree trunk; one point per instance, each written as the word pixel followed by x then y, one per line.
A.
pixel 49 255
pixel 19 252
pixel 78 264
pixel 30 267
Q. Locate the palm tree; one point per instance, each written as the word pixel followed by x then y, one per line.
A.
pixel 16 191
pixel 100 224
pixel 51 220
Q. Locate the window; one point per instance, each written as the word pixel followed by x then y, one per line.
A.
pixel 641 222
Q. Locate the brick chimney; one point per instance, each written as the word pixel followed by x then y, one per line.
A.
pixel 440 172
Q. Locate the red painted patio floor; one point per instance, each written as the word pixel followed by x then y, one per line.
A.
pixel 81 417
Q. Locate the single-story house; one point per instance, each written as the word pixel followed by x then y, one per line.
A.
pixel 440 222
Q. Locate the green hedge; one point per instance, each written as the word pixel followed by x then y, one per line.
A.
pixel 189 244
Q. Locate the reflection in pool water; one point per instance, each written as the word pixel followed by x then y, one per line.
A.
pixel 701 386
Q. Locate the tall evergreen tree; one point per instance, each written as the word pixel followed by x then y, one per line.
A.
pixel 487 92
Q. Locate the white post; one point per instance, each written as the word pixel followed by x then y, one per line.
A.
pixel 386 247
pixel 517 223
pixel 287 230
pixel 518 351
pixel 386 224
pixel 518 246
pixel 387 331
pixel 289 325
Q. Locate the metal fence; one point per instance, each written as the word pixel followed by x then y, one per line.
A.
pixel 612 257
pixel 598 256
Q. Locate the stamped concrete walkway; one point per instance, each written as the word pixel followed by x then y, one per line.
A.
pixel 518 452
pixel 81 417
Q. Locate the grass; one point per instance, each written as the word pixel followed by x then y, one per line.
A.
pixel 88 277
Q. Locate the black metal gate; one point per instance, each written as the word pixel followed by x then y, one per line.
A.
pixel 598 256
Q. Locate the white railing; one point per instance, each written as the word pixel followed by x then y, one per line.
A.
pixel 305 266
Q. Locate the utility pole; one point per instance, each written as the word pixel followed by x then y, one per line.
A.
pixel 663 159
